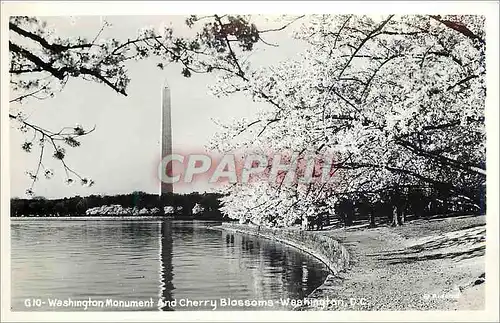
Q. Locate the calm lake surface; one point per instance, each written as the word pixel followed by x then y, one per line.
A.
pixel 175 261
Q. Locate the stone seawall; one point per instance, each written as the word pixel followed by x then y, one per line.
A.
pixel 331 252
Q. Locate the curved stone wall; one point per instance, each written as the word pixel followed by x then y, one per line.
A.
pixel 331 252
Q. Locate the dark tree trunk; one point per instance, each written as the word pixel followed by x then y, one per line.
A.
pixel 400 216
pixel 372 219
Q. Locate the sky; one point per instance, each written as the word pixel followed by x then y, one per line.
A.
pixel 123 153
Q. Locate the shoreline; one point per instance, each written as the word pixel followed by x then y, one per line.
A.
pixel 112 217
pixel 422 265
pixel 335 266
pixel 305 241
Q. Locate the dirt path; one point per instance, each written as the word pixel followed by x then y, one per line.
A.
pixel 424 265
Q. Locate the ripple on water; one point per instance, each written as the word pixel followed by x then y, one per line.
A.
pixel 138 260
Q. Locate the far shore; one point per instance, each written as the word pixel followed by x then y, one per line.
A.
pixel 115 217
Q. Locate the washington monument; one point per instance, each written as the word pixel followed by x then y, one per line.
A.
pixel 166 136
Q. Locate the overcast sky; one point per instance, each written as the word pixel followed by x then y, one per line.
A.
pixel 123 153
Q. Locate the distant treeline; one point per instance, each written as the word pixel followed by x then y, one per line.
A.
pixel 78 205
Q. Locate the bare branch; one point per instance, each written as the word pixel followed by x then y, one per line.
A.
pixel 20 98
pixel 282 27
pixel 372 34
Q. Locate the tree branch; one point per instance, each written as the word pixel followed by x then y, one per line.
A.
pixel 281 28
pixel 372 34
pixel 43 42
pixel 36 60
pixel 445 161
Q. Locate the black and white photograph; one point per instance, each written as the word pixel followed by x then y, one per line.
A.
pixel 295 164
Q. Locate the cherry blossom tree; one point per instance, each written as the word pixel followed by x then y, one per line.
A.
pixel 397 100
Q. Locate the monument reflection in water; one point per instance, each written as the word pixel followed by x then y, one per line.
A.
pixel 166 255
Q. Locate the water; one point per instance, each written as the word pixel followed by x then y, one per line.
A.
pixel 172 261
